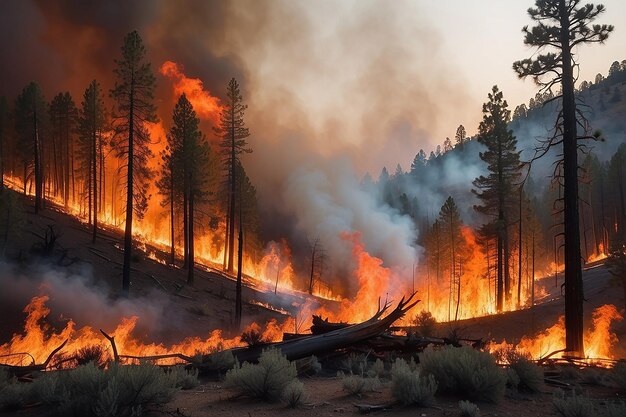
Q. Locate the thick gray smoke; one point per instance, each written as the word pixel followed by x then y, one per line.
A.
pixel 73 293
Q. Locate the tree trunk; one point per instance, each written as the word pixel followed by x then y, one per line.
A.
pixel 238 307
pixel 94 170
pixel 573 272
pixel 190 237
pixel 172 237
pixel 519 254
pixel 500 280
pixel 231 241
pixel 128 233
pixel 36 150
pixel 312 268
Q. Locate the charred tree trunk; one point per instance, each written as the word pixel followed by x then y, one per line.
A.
pixel 233 179
pixel 128 232
pixel 37 158
pixel 519 254
pixel 172 237
pixel 190 277
pixel 500 275
pixel 238 302
pixel 573 272
pixel 94 171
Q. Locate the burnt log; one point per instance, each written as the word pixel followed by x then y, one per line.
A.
pixel 321 326
pixel 324 343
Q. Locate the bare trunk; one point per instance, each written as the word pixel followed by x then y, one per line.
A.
pixel 128 233
pixel 573 272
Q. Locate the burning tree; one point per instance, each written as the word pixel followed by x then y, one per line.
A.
pixel 63 116
pixel 561 26
pixel 452 247
pixel 188 171
pixel 496 190
pixel 30 111
pixel 233 133
pixel 133 93
pixel 91 127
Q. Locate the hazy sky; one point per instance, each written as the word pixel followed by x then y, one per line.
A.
pixel 372 81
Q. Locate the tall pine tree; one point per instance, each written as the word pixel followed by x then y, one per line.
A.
pixel 496 190
pixel 30 118
pixel 562 26
pixel 91 129
pixel 133 94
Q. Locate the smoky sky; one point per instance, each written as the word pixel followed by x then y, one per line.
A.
pixel 334 89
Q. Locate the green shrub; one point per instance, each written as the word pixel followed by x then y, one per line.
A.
pixel 90 391
pixel 14 395
pixel 185 379
pixel 615 410
pixel 220 361
pixel 358 384
pixel 530 375
pixel 468 409
pixel 409 387
pixel 294 394
pixel 572 406
pixel 425 324
pixel 377 370
pixel 265 380
pixel 465 371
pixel 512 378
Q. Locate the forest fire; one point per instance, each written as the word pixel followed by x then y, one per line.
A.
pixel 599 340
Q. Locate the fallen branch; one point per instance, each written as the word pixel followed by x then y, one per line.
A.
pixel 111 339
pixel 157 357
pixel 368 408
pixel 323 343
pixel 20 371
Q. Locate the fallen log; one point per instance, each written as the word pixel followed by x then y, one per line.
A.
pixel 324 343
pixel 321 326
pixel 20 371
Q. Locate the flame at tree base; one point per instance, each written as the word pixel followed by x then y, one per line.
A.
pixel 598 339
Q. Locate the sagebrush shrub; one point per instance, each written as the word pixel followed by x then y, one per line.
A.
pixel 617 409
pixel 358 384
pixel 572 406
pixel 465 371
pixel 410 387
pixel 294 394
pixel 468 409
pixel 530 375
pixel 185 378
pixel 265 380
pixel 220 361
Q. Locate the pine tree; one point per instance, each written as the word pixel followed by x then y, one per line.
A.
pixel 30 118
pixel 562 26
pixel 63 118
pixel 496 190
pixel 133 94
pixel 233 133
pixel 460 136
pixel 190 156
pixel 91 128
pixel 452 250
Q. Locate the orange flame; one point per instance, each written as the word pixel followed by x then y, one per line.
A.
pixel 206 105
pixel 598 339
